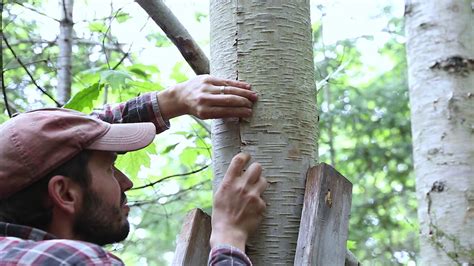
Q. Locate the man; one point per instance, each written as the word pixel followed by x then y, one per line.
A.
pixel 61 197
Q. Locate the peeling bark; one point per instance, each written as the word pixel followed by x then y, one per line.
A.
pixel 65 50
pixel 268 44
pixel 440 52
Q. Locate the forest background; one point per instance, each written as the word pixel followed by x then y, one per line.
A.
pixel 118 53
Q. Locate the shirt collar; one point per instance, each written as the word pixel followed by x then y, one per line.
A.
pixel 24 232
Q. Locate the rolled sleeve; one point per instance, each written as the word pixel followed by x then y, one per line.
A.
pixel 227 255
pixel 144 108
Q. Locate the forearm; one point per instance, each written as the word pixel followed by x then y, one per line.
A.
pixel 170 104
pixel 144 108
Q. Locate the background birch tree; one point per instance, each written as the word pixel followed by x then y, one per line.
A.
pixel 268 44
pixel 440 50
pixel 65 50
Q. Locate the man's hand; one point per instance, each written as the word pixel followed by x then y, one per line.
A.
pixel 207 97
pixel 238 207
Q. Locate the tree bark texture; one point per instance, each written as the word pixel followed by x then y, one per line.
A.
pixel 440 52
pixel 268 44
pixel 176 32
pixel 65 50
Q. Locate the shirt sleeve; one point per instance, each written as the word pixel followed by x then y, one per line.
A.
pixel 227 255
pixel 15 251
pixel 143 108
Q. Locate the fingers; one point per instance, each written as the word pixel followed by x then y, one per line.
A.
pixel 222 106
pixel 253 173
pixel 227 82
pixel 255 178
pixel 223 100
pixel 261 185
pixel 229 101
pixel 237 165
pixel 228 90
pixel 223 112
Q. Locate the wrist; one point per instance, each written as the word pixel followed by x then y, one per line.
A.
pixel 169 102
pixel 231 237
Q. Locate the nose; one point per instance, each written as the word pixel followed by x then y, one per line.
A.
pixel 124 181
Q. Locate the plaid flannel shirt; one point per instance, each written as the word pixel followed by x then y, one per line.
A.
pixel 22 245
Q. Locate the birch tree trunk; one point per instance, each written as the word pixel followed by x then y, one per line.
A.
pixel 268 44
pixel 65 50
pixel 440 50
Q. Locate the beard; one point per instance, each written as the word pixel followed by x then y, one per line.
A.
pixel 100 223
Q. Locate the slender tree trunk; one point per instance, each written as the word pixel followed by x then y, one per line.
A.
pixel 268 43
pixel 65 50
pixel 440 50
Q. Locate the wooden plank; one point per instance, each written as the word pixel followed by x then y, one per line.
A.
pixel 325 218
pixel 193 242
pixel 351 259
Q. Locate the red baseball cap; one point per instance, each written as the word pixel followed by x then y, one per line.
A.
pixel 33 144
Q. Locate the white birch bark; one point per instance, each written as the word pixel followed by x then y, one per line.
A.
pixel 268 44
pixel 65 50
pixel 440 50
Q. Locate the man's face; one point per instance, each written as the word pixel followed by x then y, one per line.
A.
pixel 103 216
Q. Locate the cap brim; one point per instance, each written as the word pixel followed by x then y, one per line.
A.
pixel 125 137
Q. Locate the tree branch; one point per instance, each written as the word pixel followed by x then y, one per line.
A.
pixel 5 98
pixel 36 11
pixel 28 72
pixel 168 22
pixel 1 63
pixel 125 55
pixel 170 176
pixel 145 202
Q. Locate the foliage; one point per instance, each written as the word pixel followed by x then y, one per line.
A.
pixel 365 133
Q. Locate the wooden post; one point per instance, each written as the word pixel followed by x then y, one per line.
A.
pixel 325 218
pixel 193 242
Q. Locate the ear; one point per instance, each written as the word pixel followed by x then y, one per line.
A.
pixel 65 194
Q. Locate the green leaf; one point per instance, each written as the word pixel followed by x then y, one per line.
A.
pixel 115 78
pixel 131 162
pixel 122 16
pixel 83 101
pixel 177 73
pixel 97 26
pixel 143 71
pixel 169 148
pixel 188 156
pixel 351 244
pixel 139 72
pixel 144 86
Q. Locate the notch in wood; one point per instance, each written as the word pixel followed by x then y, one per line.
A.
pixel 325 218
